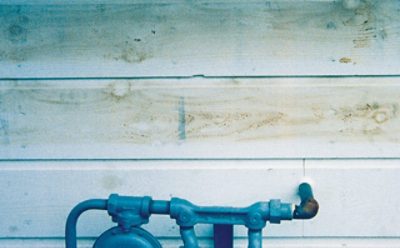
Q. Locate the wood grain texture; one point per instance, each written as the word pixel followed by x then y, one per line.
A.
pixel 200 118
pixel 41 194
pixel 201 37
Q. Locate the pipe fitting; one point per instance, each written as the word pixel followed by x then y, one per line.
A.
pixel 129 211
pixel 183 212
pixel 279 211
pixel 308 207
pixel 257 215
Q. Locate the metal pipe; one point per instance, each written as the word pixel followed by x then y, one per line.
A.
pixel 255 238
pixel 134 211
pixel 189 237
pixel 308 207
pixel 70 229
pixel 159 207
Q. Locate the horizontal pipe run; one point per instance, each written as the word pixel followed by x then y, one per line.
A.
pixel 159 207
pixel 134 211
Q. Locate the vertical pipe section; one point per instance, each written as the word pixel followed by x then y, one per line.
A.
pixel 305 191
pixel 70 229
pixel 255 238
pixel 189 237
pixel 223 236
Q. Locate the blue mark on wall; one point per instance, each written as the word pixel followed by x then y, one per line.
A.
pixel 182 119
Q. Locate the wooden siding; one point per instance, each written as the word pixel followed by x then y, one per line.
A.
pixel 181 98
pixel 199 37
pixel 201 118
pixel 40 194
pixel 51 189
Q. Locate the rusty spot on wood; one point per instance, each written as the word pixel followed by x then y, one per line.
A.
pixel 345 60
pixel 272 119
pixel 209 124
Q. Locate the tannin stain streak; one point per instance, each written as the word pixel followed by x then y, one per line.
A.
pixel 345 60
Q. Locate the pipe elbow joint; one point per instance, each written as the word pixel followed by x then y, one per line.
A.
pixel 308 207
pixel 306 210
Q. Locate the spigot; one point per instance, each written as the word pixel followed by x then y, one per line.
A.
pixel 308 207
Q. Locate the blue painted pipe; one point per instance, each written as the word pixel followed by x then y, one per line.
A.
pixel 131 212
pixel 160 207
pixel 189 237
pixel 255 238
pixel 70 228
pixel 308 207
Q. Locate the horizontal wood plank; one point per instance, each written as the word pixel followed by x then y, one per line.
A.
pixel 41 194
pixel 357 197
pixel 200 118
pixel 202 37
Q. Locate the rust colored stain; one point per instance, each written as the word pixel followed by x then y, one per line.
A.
pixel 345 60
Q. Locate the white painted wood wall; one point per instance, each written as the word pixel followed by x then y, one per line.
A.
pixel 220 102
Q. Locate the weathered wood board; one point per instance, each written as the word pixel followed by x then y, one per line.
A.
pixel 200 118
pixel 176 38
pixel 357 197
pixel 40 194
pixel 89 89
